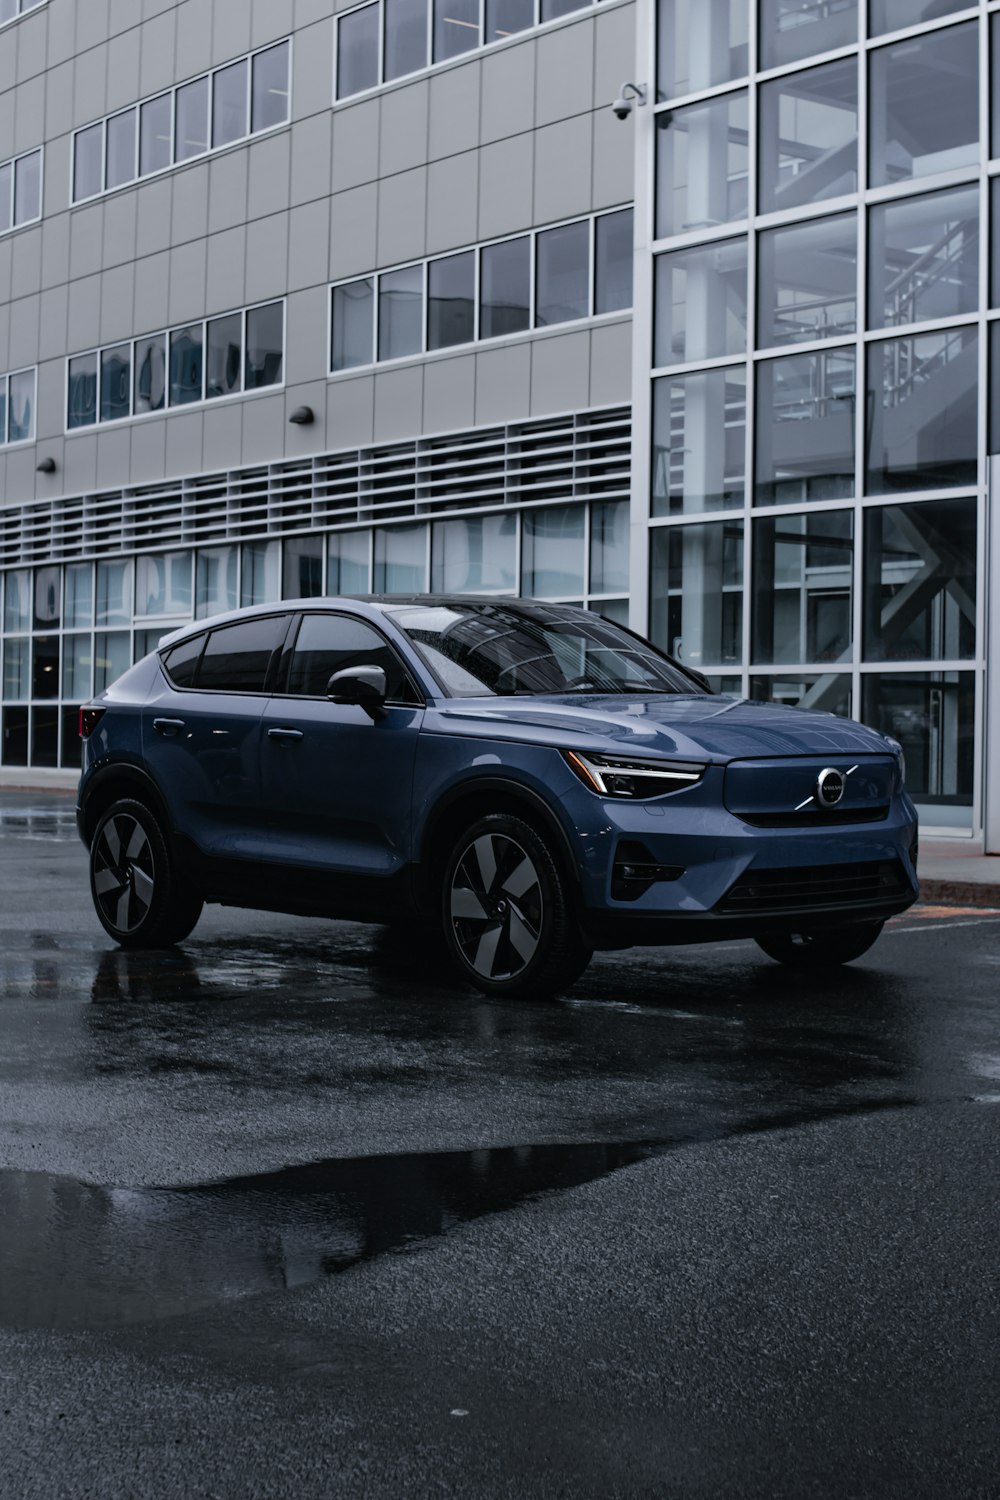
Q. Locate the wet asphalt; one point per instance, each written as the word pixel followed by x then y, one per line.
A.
pixel 286 1211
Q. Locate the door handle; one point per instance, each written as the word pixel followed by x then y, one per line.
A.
pixel 285 736
pixel 168 727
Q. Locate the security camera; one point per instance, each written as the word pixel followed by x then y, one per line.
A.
pixel 623 104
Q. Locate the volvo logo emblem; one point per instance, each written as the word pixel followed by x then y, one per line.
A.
pixel 830 786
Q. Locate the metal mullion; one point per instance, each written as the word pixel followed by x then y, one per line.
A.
pixel 784 70
pixel 823 208
pixel 842 344
pixel 695 237
pixel 911 187
pixel 980 760
pixel 916 330
pixel 923 664
pixel 921 28
pixel 698 96
pixel 750 379
pixel 695 367
pixel 860 378
pixel 249 109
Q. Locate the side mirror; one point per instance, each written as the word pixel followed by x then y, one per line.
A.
pixel 364 686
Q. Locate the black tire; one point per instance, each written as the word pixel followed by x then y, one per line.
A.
pixel 820 950
pixel 508 911
pixel 134 889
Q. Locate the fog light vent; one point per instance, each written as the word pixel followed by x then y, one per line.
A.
pixel 635 871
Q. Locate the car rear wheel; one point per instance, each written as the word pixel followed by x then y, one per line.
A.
pixel 817 950
pixel 509 913
pixel 135 891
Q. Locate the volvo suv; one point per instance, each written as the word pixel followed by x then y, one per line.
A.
pixel 523 782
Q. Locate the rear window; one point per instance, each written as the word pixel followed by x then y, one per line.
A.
pixel 236 657
pixel 181 662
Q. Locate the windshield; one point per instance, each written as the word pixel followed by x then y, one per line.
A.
pixel 497 651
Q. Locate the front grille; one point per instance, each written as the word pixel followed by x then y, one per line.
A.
pixel 834 817
pixel 821 886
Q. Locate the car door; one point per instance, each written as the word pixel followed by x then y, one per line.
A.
pixel 336 785
pixel 201 734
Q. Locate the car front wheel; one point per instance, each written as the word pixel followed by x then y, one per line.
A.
pixel 136 895
pixel 817 950
pixel 509 911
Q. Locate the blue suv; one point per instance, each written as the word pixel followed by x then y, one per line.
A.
pixel 527 782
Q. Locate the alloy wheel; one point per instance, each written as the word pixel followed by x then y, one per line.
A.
pixel 123 876
pixel 496 908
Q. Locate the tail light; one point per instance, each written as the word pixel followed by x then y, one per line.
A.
pixel 89 720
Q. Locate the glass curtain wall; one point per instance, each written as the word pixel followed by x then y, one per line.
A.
pixel 67 632
pixel 822 333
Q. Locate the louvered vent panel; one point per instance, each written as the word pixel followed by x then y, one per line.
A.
pixel 561 459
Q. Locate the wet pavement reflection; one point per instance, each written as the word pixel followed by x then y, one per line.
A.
pixel 338 1034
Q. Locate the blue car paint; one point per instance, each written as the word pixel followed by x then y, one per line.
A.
pixel 388 779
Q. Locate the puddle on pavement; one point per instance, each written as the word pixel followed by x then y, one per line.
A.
pixel 75 1256
pixel 42 824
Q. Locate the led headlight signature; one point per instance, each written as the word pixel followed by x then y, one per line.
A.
pixel 627 777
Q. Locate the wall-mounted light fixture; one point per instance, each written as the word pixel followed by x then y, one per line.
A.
pixel 47 466
pixel 302 416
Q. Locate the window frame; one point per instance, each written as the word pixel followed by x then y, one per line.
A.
pixel 5 380
pixel 166 334
pixel 13 162
pixel 208 76
pixel 280 685
pixel 476 249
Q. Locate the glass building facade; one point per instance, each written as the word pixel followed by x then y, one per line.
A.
pixel 813 431
pixel 727 370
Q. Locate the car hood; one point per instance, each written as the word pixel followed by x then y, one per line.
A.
pixel 700 726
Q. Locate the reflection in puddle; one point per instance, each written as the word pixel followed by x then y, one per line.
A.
pixel 76 1256
pixel 46 824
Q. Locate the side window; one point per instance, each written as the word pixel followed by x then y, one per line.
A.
pixel 181 662
pixel 329 643
pixel 237 657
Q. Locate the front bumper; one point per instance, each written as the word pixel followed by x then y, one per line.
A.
pixel 718 877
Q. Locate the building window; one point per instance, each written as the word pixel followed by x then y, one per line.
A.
pixel 701 303
pixel 12 10
pixel 231 104
pixel 580 269
pixel 893 15
pixel 696 577
pixel 204 361
pixel 562 274
pixel 20 191
pixel 699 441
pixel 922 404
pixel 389 39
pixel 17 406
pixel 923 258
pixel 451 300
pixel 807 281
pixel 791 30
pixel 809 136
pixel 923 107
pixel 920 581
pixel 702 165
pixel 700 45
pixel 805 427
pixel 803 587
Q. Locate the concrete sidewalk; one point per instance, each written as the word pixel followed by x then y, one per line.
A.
pixel 955 872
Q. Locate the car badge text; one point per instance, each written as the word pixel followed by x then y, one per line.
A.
pixel 831 785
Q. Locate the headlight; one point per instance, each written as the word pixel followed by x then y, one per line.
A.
pixel 624 776
pixel 897 751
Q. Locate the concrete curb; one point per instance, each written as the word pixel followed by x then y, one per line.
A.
pixel 959 893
